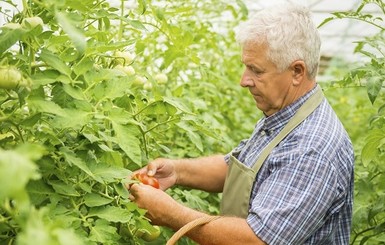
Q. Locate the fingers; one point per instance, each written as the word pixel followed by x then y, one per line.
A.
pixel 133 191
pixel 152 167
pixel 161 169
pixel 142 195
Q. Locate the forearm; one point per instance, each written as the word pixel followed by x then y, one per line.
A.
pixel 225 230
pixel 205 173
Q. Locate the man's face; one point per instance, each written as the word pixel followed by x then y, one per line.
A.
pixel 269 88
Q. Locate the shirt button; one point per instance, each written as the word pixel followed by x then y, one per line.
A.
pixel 263 133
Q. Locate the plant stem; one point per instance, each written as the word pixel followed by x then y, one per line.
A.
pixel 361 232
pixel 120 33
pixel 144 108
pixel 161 123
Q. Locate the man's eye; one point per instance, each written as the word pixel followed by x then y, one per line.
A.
pixel 255 71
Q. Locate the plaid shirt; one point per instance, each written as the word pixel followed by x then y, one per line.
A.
pixel 303 192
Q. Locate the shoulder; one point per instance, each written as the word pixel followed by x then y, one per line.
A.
pixel 321 140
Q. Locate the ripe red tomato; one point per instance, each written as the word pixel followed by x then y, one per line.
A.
pixel 147 180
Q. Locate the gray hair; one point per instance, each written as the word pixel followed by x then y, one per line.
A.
pixel 289 33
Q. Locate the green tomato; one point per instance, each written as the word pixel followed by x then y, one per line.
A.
pixel 12 26
pixel 128 70
pixel 161 78
pixel 140 80
pixel 11 78
pixel 147 86
pixel 149 236
pixel 139 233
pixel 32 22
pixel 128 57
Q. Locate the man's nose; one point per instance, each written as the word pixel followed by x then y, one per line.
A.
pixel 246 80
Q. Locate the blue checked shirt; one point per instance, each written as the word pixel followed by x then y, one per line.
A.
pixel 303 193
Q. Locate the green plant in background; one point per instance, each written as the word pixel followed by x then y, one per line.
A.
pixel 366 125
pixel 90 92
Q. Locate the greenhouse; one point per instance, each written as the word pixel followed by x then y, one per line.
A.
pixel 184 122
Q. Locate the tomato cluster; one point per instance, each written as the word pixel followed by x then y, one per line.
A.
pixel 147 180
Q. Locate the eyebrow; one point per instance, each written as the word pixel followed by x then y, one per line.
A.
pixel 253 67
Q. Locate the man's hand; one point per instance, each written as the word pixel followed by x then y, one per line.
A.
pixel 162 169
pixel 159 205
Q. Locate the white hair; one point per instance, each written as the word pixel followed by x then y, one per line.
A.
pixel 289 33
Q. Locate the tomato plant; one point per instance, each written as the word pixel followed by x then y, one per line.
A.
pixel 93 90
pixel 107 88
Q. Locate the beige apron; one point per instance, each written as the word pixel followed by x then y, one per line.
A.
pixel 240 178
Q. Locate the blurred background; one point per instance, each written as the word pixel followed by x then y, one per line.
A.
pixel 338 37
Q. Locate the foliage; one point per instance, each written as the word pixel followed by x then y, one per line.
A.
pixel 110 88
pixel 368 135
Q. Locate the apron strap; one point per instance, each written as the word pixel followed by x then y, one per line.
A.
pixel 305 110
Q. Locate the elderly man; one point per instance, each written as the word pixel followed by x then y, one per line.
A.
pixel 291 182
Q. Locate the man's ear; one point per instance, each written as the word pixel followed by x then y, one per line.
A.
pixel 298 68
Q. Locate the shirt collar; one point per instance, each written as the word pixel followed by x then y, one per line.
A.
pixel 281 118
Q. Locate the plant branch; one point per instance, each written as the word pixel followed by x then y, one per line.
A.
pixel 161 123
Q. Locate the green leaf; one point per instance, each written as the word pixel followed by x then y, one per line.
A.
pixel 73 92
pixel 137 25
pixel 91 137
pixel 243 7
pixel 194 137
pixel 72 159
pixel 121 190
pixel 142 6
pixel 67 120
pixel 45 77
pixel 116 88
pixel 9 37
pixel 102 232
pixel 16 170
pixel 374 86
pixel 112 214
pixel 177 103
pixel 170 56
pixel 94 200
pixel 7 135
pixel 76 35
pixel 127 138
pixel 110 173
pixel 63 188
pixel 35 230
pixel 121 116
pixel 30 121
pixel 54 61
pixel 42 105
pixel 31 151
pixel 94 76
pixel 83 66
pixel 371 149
pixel 67 236
pixel 39 187
pixel 113 158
